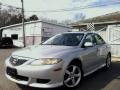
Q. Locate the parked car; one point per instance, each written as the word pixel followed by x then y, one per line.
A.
pixel 60 61
pixel 6 42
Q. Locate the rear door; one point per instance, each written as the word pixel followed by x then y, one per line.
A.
pixel 102 49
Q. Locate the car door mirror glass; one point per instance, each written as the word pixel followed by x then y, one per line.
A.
pixel 88 44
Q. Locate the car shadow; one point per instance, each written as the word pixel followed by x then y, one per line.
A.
pixel 13 47
pixel 96 81
pixel 32 88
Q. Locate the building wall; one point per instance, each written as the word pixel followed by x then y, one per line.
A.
pixel 33 40
pixel 35 32
pixel 113 34
pixel 49 30
pixel 32 31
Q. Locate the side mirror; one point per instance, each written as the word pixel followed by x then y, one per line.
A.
pixel 88 44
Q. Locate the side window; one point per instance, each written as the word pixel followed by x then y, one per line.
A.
pixel 14 36
pixel 99 40
pixel 88 38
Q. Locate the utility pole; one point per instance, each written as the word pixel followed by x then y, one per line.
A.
pixel 23 23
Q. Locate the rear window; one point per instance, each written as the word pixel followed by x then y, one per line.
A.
pixel 99 39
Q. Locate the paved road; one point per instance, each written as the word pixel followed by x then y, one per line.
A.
pixel 101 80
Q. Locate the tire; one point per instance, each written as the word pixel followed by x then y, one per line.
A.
pixel 73 76
pixel 108 61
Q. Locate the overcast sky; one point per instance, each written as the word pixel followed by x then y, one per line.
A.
pixel 38 5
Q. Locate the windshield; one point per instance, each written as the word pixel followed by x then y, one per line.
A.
pixel 68 39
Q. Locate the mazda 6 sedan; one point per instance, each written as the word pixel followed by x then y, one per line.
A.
pixel 60 61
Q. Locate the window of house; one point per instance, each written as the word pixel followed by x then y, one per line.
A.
pixel 14 36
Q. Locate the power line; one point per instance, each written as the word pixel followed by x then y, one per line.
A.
pixel 67 9
pixel 76 8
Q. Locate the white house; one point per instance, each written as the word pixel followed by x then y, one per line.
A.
pixel 108 26
pixel 35 32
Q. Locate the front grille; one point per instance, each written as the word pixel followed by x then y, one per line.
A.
pixel 13 73
pixel 16 61
pixel 43 81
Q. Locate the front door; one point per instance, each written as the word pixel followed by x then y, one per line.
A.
pixel 89 54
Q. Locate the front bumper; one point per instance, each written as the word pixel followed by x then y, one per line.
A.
pixel 53 73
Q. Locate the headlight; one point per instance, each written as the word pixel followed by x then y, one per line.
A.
pixel 48 61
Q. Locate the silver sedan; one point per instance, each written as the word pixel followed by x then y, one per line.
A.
pixel 60 61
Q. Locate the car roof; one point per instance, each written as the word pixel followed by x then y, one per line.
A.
pixel 79 32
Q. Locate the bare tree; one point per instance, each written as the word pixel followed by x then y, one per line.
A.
pixel 79 16
pixel 9 16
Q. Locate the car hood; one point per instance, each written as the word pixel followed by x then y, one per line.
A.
pixel 44 51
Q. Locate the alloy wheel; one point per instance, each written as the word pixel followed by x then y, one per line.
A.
pixel 72 76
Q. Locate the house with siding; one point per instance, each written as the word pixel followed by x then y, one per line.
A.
pixel 108 26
